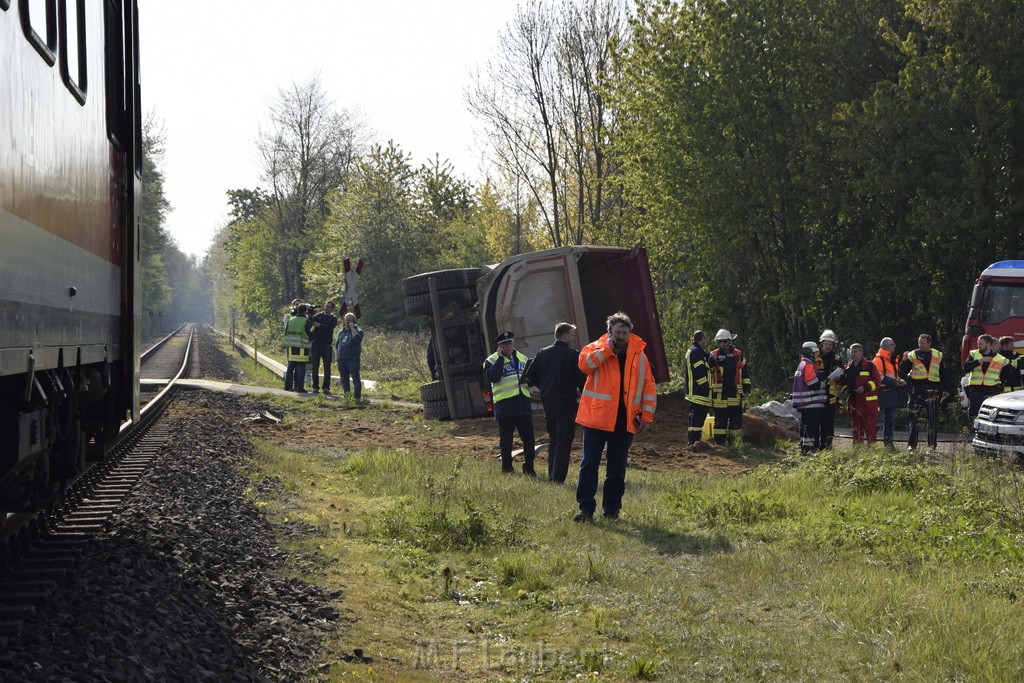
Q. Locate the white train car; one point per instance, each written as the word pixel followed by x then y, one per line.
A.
pixel 70 184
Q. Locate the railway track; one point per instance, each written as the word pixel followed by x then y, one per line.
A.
pixel 39 548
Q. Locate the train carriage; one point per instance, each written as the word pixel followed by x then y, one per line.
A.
pixel 70 182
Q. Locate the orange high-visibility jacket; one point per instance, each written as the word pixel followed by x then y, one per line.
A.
pixel 599 404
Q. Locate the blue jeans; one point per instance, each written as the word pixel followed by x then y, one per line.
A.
pixel 350 367
pixel 594 441
pixel 295 376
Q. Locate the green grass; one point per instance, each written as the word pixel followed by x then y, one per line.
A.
pixel 856 565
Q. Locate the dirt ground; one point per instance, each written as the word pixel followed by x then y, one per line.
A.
pixel 662 446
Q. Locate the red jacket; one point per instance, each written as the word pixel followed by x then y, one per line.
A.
pixel 863 375
pixel 599 403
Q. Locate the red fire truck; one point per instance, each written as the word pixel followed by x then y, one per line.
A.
pixel 997 306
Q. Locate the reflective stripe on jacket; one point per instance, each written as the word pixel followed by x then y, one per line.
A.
pixel 865 375
pixel 887 365
pixel 918 371
pixel 512 382
pixel 698 374
pixel 827 362
pixel 808 390
pixel 296 341
pixel 599 404
pixel 726 387
pixel 990 377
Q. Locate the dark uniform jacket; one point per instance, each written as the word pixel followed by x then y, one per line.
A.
pixel 698 380
pixel 325 333
pixel 556 371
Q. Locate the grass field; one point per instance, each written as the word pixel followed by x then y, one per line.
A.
pixel 856 565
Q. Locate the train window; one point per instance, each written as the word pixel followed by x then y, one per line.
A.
pixel 113 48
pixel 39 22
pixel 72 32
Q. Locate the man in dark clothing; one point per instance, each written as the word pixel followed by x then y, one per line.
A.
pixel 698 385
pixel 1014 381
pixel 922 369
pixel 513 411
pixel 321 334
pixel 556 372
pixel 349 348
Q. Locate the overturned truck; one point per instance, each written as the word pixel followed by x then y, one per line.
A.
pixel 528 294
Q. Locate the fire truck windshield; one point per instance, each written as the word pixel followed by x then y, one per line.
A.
pixel 1002 301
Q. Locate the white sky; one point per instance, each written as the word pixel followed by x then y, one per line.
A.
pixel 210 68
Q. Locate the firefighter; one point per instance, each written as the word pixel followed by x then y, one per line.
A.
pixel 730 385
pixel 922 369
pixel 989 369
pixel 505 369
pixel 831 365
pixel 698 385
pixel 862 380
pixel 809 397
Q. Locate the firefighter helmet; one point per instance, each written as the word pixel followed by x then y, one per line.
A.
pixel 829 335
pixel 724 335
pixel 809 348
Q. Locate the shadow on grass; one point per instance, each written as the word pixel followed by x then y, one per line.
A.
pixel 672 542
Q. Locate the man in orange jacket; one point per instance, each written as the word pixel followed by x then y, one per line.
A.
pixel 618 401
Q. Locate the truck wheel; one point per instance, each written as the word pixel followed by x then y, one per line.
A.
pixel 419 304
pixel 434 391
pixel 436 410
pixel 446 279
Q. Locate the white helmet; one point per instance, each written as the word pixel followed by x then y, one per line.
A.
pixel 724 334
pixel 809 347
pixel 829 335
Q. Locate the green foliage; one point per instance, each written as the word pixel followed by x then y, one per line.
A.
pixel 642 669
pixel 394 356
pixel 795 166
pixel 174 287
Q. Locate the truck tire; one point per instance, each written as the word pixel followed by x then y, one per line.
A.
pixel 446 279
pixel 419 304
pixel 434 391
pixel 436 410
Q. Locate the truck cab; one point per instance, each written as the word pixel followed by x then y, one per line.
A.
pixel 997 306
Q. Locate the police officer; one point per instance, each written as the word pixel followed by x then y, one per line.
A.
pixel 989 369
pixel 922 369
pixel 505 369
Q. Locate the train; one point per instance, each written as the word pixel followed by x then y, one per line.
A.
pixel 70 189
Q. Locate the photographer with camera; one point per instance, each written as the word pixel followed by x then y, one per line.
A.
pixel 349 348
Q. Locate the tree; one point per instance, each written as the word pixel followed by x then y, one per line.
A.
pixel 156 292
pixel 376 219
pixel 307 152
pixel 544 113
